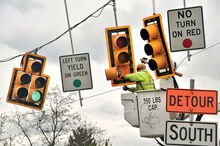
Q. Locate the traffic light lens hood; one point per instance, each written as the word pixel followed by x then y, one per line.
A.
pixel 22 92
pixel 36 67
pixel 122 42
pixel 123 57
pixel 144 34
pixel 36 96
pixel 153 64
pixel 40 82
pixel 148 49
pixel 25 79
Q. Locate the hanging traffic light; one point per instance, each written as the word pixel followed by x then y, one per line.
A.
pixel 28 85
pixel 156 47
pixel 120 54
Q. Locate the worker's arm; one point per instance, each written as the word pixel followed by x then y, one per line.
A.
pixel 138 76
pixel 132 89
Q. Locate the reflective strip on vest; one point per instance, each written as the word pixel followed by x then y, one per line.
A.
pixel 150 82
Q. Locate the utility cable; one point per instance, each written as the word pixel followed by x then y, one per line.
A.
pixel 197 53
pixel 55 39
pixel 100 93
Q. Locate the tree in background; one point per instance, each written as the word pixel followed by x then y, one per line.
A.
pixel 49 127
pixel 88 135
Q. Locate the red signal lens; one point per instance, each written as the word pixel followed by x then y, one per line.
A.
pixel 122 42
pixel 36 67
pixel 40 82
pixel 123 57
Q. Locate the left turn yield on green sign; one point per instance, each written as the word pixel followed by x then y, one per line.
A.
pixel 76 72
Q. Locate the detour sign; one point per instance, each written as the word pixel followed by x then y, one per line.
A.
pixel 192 101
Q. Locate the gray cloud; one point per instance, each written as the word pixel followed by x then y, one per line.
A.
pixel 23 6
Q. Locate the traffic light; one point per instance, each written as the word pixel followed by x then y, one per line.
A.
pixel 28 85
pixel 156 47
pixel 120 55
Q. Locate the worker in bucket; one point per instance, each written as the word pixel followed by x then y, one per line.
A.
pixel 142 77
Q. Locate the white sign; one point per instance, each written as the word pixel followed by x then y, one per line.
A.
pixel 75 72
pixel 186 29
pixel 191 133
pixel 152 112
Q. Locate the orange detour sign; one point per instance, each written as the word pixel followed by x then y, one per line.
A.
pixel 192 101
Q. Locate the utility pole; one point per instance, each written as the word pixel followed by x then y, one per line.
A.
pixel 188 53
pixel 154 10
pixel 192 86
pixel 71 41
pixel 115 14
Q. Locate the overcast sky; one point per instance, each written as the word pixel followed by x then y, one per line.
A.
pixel 27 24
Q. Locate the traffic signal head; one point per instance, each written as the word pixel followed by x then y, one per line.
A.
pixel 156 47
pixel 28 85
pixel 120 54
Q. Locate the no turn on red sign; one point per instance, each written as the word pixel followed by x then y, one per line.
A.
pixel 186 29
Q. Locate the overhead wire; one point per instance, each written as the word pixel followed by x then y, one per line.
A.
pixel 100 93
pixel 55 39
pixel 197 53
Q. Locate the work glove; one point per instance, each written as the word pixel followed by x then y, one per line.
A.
pixel 125 88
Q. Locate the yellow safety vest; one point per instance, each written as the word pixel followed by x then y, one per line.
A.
pixel 143 78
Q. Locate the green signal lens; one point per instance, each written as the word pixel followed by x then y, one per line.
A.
pixel 77 83
pixel 36 96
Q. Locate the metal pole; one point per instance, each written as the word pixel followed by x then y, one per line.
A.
pixel 68 22
pixel 115 14
pixel 71 41
pixel 154 10
pixel 184 3
pixel 188 53
pixel 192 86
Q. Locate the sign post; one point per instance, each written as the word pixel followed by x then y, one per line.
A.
pixel 186 29
pixel 75 72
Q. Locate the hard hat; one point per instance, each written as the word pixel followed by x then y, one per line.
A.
pixel 141 66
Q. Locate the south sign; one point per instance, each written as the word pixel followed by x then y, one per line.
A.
pixel 192 101
pixel 191 133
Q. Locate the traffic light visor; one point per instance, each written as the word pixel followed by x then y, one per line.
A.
pixel 21 92
pixel 36 96
pixel 123 57
pixel 159 62
pixel 40 82
pixel 154 47
pixel 144 34
pixel 121 41
pixel 23 78
pixel 150 32
pixel 34 66
pixel 111 73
